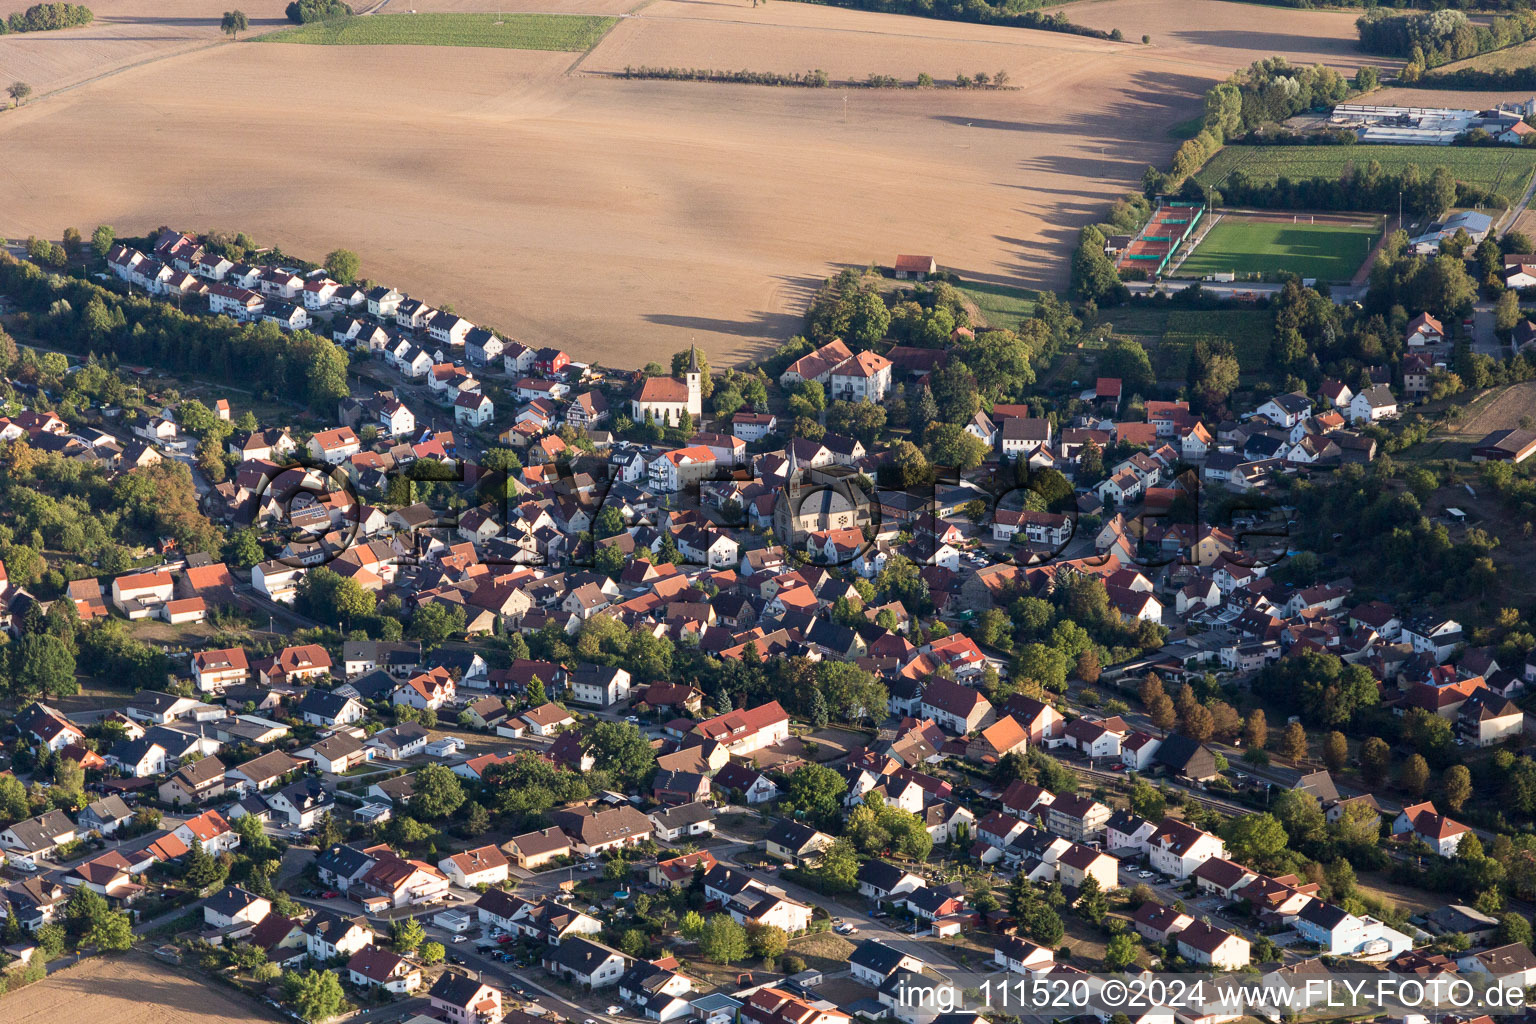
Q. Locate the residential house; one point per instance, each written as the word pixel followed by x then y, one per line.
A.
pixel 584 962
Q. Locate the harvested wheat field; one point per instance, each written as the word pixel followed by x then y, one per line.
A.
pixel 132 989
pixel 1228 35
pixel 125 33
pixel 517 6
pixel 543 195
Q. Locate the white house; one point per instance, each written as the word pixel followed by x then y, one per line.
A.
pixel 484 865
pixel 1372 404
pixel 473 409
pixel 1178 848
pixel 1202 944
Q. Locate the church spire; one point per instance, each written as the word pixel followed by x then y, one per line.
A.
pixel 693 358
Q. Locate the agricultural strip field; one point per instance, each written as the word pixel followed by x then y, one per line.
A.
pixel 1502 170
pixel 1248 331
pixel 509 31
pixel 1328 252
pixel 1170 335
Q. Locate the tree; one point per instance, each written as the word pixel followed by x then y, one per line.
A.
pixel 692 925
pixel 839 869
pixel 342 265
pixel 621 750
pixel 19 91
pixel 69 778
pixel 1162 712
pixel 437 792
pixel 1092 904
pixel 1254 837
pixel 50 941
pixel 1042 923
pixel 1120 952
pixel 723 940
pixel 202 872
pixel 1091 462
pixel 1147 801
pixel 477 820
pixel 1293 742
pixel 43 664
pixel 1375 757
pixel 430 953
pixel 13 800
pixel 85 908
pixel 314 995
pixel 1335 750
pixel 1414 775
pixel 243 549
pixel 1506 313
pixel 435 622
pixel 1458 786
pixel 949 444
pixel 111 933
pixel 407 935
pixel 1514 928
pixel 1198 723
pixel 817 791
pixel 767 941
pixel 232 24
pixel 326 376
pixel 102 239
pixel 1440 195
pixel 1341 880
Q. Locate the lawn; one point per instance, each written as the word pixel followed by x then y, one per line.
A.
pixel 999 304
pixel 1328 252
pixel 508 31
pixel 1502 170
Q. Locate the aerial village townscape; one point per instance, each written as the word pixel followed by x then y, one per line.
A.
pixel 504 520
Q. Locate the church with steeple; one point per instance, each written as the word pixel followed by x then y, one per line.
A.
pixel 664 399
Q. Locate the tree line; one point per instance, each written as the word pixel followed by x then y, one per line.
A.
pixel 1482 79
pixel 1014 13
pixel 817 78
pixel 47 17
pixel 1368 188
pixel 1430 5
pixel 302 12
pixel 85 317
pixel 1432 38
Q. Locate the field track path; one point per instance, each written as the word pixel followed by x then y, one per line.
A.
pixel 157 58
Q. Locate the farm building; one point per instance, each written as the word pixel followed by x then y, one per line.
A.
pixel 1505 446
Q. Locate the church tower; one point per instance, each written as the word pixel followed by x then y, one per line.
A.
pixel 695 381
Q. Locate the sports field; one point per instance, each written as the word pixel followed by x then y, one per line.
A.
pixel 1502 170
pixel 509 31
pixel 1328 252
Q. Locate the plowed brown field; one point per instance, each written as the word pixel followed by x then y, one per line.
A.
pixel 622 220
pixel 127 990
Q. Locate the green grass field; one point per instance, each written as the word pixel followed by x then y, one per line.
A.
pixel 1001 305
pixel 1328 252
pixel 1505 171
pixel 508 31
